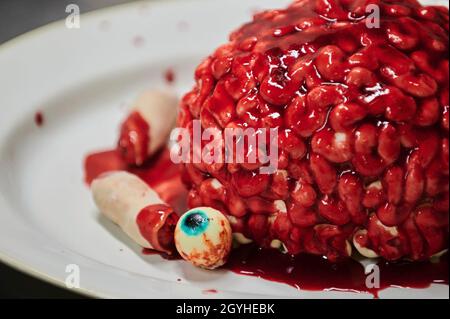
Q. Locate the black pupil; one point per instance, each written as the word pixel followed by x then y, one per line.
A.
pixel 194 221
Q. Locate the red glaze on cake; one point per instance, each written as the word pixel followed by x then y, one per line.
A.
pixel 363 127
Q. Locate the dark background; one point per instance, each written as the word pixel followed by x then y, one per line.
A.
pixel 18 17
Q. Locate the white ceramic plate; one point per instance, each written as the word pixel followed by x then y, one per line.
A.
pixel 81 79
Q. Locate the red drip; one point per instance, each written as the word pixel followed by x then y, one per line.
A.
pixel 138 41
pixel 39 119
pixel 169 76
pixel 210 291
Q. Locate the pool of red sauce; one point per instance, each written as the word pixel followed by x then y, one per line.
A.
pixel 309 272
pixel 304 272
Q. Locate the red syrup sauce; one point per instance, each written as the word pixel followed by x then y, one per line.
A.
pixel 210 291
pixel 169 76
pixel 39 119
pixel 138 41
pixel 314 273
pixel 306 272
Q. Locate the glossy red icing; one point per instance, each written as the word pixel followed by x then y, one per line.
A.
pixel 362 115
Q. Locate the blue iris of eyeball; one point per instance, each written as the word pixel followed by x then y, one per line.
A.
pixel 203 237
pixel 195 223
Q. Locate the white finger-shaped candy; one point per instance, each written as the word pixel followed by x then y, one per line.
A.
pixel 130 203
pixel 203 237
pixel 148 126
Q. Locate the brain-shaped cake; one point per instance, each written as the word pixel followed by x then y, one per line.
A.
pixel 362 118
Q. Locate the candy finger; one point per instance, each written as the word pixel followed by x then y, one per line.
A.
pixel 137 209
pixel 148 126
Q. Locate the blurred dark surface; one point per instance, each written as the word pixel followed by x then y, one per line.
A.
pixel 18 17
pixel 14 284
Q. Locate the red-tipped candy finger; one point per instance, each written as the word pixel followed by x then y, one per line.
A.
pixel 130 203
pixel 148 126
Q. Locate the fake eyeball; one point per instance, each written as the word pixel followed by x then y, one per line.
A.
pixel 203 237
